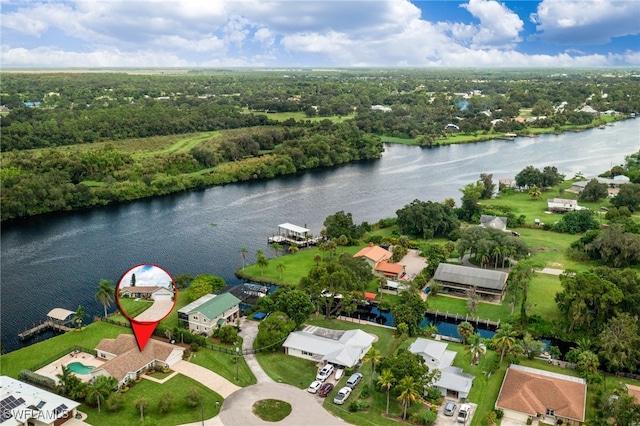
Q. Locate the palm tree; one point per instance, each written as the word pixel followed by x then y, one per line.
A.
pixel 465 330
pixel 535 192
pixel 262 263
pixel 105 295
pixel 343 241
pixel 317 258
pixel 141 404
pixel 276 248
pixel 386 381
pixel 79 314
pixel 65 380
pixel 504 339
pixel 408 393
pixel 373 356
pixel 101 388
pixel 476 349
pixel 497 252
pixel 429 330
pixel 490 418
pixel 243 253
pixel 293 248
pixel 280 267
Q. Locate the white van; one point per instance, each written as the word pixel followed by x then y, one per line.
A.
pixel 463 414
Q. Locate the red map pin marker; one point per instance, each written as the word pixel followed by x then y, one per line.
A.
pixel 146 294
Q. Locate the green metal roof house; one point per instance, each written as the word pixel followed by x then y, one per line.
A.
pixel 214 312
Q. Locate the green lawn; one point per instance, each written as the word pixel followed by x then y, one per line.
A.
pixel 88 337
pixel 298 116
pixel 296 265
pixel 541 297
pixel 134 307
pixel 224 365
pixel 171 321
pixel 181 413
pixel 458 306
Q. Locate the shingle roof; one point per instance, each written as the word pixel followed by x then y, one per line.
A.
pixel 532 391
pixel 216 306
pixel 128 357
pixel 481 278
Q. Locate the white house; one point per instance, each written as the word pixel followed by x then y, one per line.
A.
pixel 453 381
pixel 147 292
pixel 126 362
pixel 562 205
pixel 338 347
pixel 23 404
pixel 212 313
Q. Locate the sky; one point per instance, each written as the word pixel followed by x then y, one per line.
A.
pixel 319 33
pixel 146 276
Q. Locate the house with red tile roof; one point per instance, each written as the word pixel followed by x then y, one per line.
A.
pixel 125 361
pixel 378 260
pixel 549 398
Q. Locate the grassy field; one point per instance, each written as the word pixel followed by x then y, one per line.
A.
pixel 134 307
pixel 295 265
pixel 181 413
pixel 88 337
pixel 455 305
pixel 298 116
pixel 224 364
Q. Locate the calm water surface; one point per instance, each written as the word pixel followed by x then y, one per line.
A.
pixel 57 260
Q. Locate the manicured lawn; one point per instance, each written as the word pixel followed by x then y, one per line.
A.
pixel 181 413
pixel 171 321
pixel 271 410
pixel 296 265
pixel 549 248
pixel 458 306
pixel 541 297
pixel 288 369
pixel 297 115
pixel 224 365
pixel 134 307
pixel 88 337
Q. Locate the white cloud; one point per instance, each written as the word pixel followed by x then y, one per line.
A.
pixel 586 22
pixel 184 33
pixel 499 26
pixel 146 276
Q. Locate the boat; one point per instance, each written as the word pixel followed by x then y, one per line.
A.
pixel 339 373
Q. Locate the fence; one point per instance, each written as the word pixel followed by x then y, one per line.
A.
pixel 61 354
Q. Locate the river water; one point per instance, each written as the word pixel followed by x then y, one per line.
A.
pixel 58 260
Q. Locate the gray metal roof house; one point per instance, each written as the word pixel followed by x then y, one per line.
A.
pixel 489 284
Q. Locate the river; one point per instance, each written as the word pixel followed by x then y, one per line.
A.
pixel 57 260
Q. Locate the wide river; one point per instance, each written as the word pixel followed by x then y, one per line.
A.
pixel 57 260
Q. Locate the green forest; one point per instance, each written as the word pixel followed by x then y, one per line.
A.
pixel 76 140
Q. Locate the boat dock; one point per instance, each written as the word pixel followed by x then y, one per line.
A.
pixel 57 320
pixel 293 234
pixel 463 318
pixel 41 328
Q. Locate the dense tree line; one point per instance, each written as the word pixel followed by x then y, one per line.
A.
pixel 35 182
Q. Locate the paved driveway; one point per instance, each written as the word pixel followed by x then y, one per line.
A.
pixel 207 377
pixel 157 311
pixel 413 263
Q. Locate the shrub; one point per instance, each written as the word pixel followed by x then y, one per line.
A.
pixel 194 397
pixel 37 379
pixel 165 404
pixel 228 334
pixel 424 417
pixel 115 401
pixel 195 347
pixel 358 405
pixel 186 354
pixel 433 394
pixel 364 393
pixel 499 414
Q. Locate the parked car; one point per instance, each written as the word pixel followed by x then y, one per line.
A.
pixel 463 413
pixel 325 389
pixel 450 408
pixel 325 372
pixel 354 380
pixel 314 386
pixel 342 395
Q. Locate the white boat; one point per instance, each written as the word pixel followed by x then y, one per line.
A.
pixel 339 373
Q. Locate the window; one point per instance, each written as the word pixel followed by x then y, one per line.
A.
pixel 204 320
pixel 550 412
pixel 195 318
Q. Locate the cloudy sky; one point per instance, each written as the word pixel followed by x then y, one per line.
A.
pixel 146 276
pixel 319 33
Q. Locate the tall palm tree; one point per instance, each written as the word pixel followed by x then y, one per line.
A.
pixel 535 192
pixel 386 381
pixel 280 267
pixel 78 316
pixel 317 258
pixel 476 348
pixel 430 329
pixel 408 393
pixel 293 248
pixel 343 241
pixel 276 248
pixel 262 263
pixel 243 253
pixel 504 339
pixel 105 295
pixel 373 356
pixel 100 390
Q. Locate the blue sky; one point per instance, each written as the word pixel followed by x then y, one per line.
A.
pixel 146 276
pixel 319 33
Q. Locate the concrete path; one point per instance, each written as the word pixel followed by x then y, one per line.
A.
pixel 207 377
pixel 550 271
pixel 158 310
pixel 248 332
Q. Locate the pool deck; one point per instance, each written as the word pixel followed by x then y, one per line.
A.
pixel 52 370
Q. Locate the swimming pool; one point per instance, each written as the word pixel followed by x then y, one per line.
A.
pixel 79 368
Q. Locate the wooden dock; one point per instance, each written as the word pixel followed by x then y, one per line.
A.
pixel 462 318
pixel 41 328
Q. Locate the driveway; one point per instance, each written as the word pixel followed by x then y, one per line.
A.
pixel 157 311
pixel 413 263
pixel 207 377
pixel 443 420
